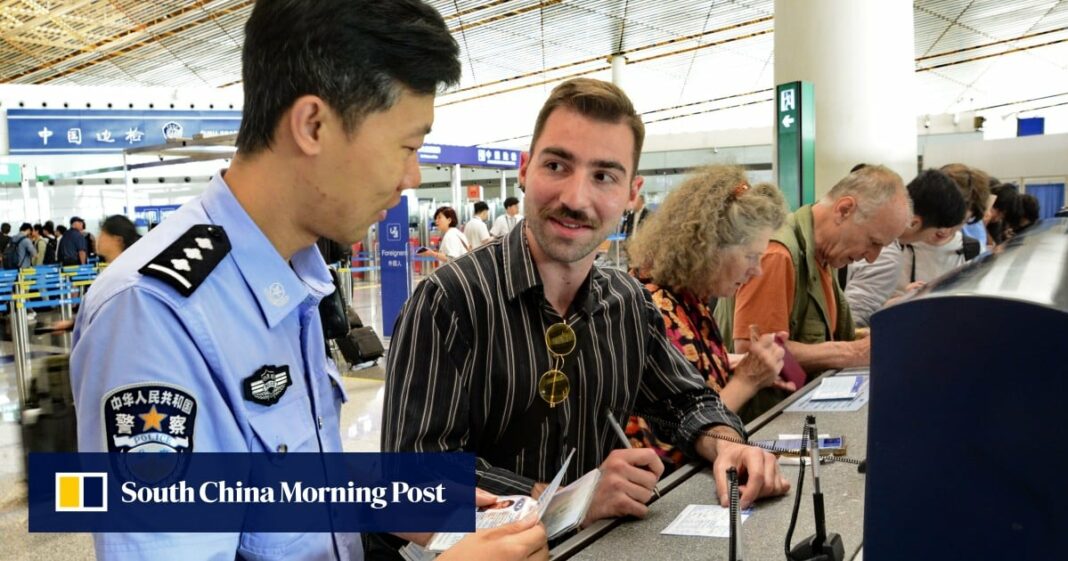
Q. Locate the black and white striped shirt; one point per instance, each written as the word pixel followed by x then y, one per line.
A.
pixel 465 360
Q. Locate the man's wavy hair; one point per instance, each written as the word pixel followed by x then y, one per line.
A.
pixel 680 245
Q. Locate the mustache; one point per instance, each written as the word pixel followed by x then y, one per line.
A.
pixel 563 212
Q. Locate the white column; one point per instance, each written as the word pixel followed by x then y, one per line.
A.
pixel 859 55
pixel 43 210
pixel 130 213
pixel 619 64
pixel 457 186
pixel 29 173
pixel 504 184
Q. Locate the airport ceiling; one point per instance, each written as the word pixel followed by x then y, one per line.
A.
pixel 693 65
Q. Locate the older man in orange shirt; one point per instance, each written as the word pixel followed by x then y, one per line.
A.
pixel 798 293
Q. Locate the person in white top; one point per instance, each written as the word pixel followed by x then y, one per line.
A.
pixel 475 230
pixel 938 208
pixel 508 220
pixel 453 244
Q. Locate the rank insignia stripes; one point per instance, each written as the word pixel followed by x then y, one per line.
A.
pixel 187 262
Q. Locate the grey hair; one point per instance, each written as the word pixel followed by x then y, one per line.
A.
pixel 872 186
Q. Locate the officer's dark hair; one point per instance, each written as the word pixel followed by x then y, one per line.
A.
pixel 121 227
pixel 354 54
pixel 481 206
pixel 449 213
pixel 5 228
pixel 25 226
pixel 936 200
pixel 510 202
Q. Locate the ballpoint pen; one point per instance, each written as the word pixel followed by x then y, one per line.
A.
pixel 612 422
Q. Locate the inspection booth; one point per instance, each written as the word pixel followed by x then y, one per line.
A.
pixel 969 381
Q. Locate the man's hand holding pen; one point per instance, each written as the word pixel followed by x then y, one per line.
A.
pixel 628 477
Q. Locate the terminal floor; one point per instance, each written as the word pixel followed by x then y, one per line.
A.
pixel 360 430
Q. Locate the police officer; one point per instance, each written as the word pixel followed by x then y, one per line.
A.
pixel 206 335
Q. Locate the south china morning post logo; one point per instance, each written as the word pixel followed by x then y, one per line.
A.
pixel 296 492
pixel 81 492
pixel 261 492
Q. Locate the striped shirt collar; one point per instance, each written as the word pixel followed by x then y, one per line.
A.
pixel 521 273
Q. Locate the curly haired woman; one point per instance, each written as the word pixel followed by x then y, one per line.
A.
pixel 704 242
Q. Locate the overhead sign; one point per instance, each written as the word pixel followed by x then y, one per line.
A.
pixel 90 131
pixel 795 142
pixel 447 154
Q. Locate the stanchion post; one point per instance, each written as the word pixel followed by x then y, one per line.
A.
pixel 66 310
pixel 20 341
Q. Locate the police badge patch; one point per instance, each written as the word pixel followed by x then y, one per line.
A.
pixel 149 417
pixel 266 385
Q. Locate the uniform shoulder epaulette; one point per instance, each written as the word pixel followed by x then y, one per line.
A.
pixel 187 262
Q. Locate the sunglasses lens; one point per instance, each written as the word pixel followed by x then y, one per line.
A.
pixel 560 338
pixel 554 387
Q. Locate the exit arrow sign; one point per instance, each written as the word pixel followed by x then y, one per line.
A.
pixel 795 147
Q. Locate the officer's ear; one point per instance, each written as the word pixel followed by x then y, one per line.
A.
pixel 306 121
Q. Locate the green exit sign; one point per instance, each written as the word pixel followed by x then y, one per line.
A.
pixel 10 173
pixel 795 142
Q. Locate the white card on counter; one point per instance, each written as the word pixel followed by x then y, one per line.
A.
pixel 708 521
pixel 838 387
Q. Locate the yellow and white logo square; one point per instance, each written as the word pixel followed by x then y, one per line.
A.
pixel 82 492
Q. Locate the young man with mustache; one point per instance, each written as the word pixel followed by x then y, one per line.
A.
pixel 516 351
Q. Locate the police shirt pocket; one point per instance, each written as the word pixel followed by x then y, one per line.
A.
pixel 284 427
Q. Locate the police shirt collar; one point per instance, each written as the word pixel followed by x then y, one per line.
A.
pixel 277 287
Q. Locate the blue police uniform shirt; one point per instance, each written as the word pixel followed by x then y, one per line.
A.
pixel 155 370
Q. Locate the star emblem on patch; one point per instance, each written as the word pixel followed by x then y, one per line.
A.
pixel 149 417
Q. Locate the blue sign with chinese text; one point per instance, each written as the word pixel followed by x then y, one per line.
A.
pixel 393 257
pixel 90 131
pixel 446 154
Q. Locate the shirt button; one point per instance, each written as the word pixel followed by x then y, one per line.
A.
pixel 319 419
pixel 282 448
